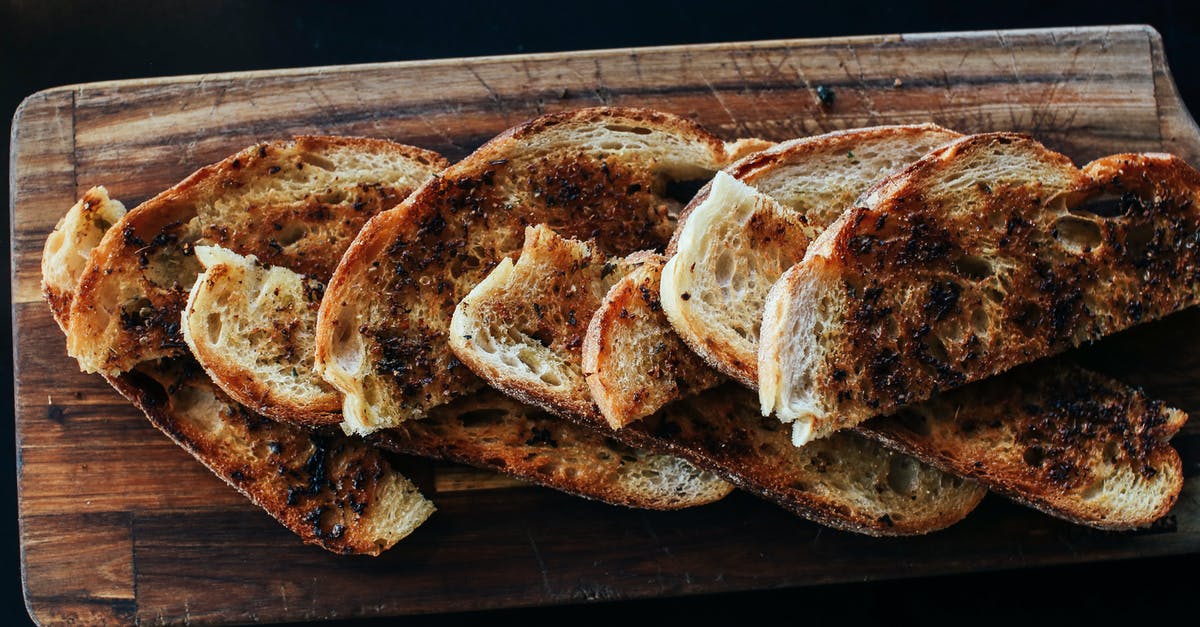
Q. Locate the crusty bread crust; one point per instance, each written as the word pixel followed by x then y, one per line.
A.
pixel 597 173
pixel 279 201
pixel 1055 437
pixel 634 363
pixel 489 430
pixel 989 252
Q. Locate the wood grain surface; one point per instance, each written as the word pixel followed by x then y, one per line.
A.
pixel 119 525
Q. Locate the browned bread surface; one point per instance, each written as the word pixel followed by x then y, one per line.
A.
pixel 846 482
pixel 600 174
pixel 489 430
pixel 331 490
pixel 987 253
pixel 756 219
pixel 1053 436
pixel 288 203
pixel 634 363
pixel 520 328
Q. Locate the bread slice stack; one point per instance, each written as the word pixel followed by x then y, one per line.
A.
pixel 549 308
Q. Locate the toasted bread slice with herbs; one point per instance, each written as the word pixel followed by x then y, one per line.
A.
pixel 1053 436
pixel 252 329
pixel 330 490
pixel 756 219
pixel 491 431
pixel 633 361
pixel 287 203
pixel 603 173
pixel 989 252
pixel 521 329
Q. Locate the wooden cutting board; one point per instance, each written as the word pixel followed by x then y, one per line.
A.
pixel 118 524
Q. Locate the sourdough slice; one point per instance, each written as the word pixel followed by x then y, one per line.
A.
pixel 599 173
pixel 70 245
pixel 306 480
pixel 633 362
pixel 847 482
pixel 294 203
pixel 987 253
pixel 757 218
pixel 489 430
pixel 1053 436
pixel 252 329
pixel 521 329
pixel 331 490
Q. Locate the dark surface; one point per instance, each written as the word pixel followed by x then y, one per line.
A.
pixel 49 44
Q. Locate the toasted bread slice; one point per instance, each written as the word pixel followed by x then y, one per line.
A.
pixel 70 245
pixel 331 490
pixel 521 329
pixel 1052 436
pixel 309 481
pixel 252 329
pixel 846 482
pixel 756 219
pixel 987 253
pixel 489 430
pixel 599 173
pixel 633 362
pixel 282 202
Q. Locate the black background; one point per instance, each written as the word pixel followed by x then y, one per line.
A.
pixel 49 43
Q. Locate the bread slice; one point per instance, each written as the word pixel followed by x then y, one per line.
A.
pixel 1052 436
pixel 70 245
pixel 489 430
pixel 288 203
pixel 987 253
pixel 633 362
pixel 333 491
pixel 602 173
pixel 847 481
pixel 252 329
pixel 330 490
pixel 756 219
pixel 521 330
pixel 522 327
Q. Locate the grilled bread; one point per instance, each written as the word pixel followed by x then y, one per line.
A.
pixel 633 362
pixel 847 482
pixel 328 489
pixel 987 253
pixel 732 243
pixel 251 327
pixel 1052 436
pixel 521 329
pixel 287 203
pixel 489 430
pixel 602 173
pixel 484 429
